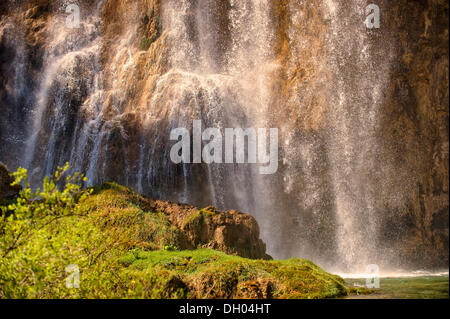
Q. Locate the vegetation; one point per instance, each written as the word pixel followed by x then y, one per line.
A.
pixel 426 287
pixel 205 273
pixel 125 248
pixel 198 218
pixel 146 43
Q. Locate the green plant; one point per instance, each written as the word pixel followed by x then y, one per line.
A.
pixel 36 232
pixel 146 43
pixel 170 248
pixel 33 210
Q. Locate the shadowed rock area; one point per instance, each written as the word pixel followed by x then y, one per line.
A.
pixel 6 190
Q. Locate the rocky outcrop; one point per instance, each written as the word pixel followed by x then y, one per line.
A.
pixel 232 232
pixel 159 225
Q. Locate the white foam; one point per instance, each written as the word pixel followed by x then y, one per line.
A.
pixel 395 274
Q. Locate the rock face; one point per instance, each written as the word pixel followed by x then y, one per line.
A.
pixel 362 114
pixel 415 129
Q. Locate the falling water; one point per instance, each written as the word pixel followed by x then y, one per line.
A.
pixel 356 101
pixel 71 72
pixel 214 81
pixel 219 62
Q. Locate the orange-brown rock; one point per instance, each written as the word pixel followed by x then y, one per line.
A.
pixel 232 232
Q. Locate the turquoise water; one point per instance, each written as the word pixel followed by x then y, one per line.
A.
pixel 423 287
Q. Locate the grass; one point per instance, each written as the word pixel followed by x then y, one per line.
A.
pixel 427 287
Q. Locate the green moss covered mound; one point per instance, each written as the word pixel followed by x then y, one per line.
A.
pixel 205 273
pixel 122 245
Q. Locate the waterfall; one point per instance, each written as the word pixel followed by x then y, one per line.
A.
pixel 70 79
pixel 353 137
pixel 360 78
pixel 213 80
pixel 107 104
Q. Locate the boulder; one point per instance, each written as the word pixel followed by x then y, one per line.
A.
pixel 232 232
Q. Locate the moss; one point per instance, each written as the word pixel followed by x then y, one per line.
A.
pixel 116 208
pixel 357 290
pixel 150 27
pixel 146 43
pixel 213 274
pixel 199 217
